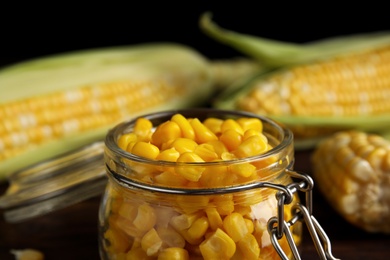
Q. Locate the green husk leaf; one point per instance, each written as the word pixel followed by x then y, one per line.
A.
pixel 87 67
pixel 272 53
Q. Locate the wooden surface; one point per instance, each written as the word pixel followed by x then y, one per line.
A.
pixel 71 233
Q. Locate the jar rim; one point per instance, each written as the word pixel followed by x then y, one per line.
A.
pixel 285 141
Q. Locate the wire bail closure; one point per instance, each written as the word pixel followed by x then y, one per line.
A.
pixel 278 227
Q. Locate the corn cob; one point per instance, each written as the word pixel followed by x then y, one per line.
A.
pixel 315 89
pixel 53 105
pixel 352 171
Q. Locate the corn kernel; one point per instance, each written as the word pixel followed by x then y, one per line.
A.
pixel 169 155
pixel 137 254
pixel 171 178
pixel 250 132
pixel 231 139
pixel 214 124
pixel 127 210
pixel 249 247
pixel 184 221
pixel 170 237
pixel 151 243
pixel 217 246
pixel 186 129
pixel 191 173
pixel 125 139
pixel 249 225
pixel 231 124
pixel 214 218
pixel 128 227
pixel 243 169
pixel 254 145
pixel 143 129
pixel 146 150
pixel 118 242
pixel 214 176
pixel 165 132
pixel 146 218
pixel 183 145
pixel 235 227
pixel 198 228
pixel 173 253
pixel 219 147
pixel 206 152
pixel 224 204
pixel 202 133
pixel 191 204
pixel 250 123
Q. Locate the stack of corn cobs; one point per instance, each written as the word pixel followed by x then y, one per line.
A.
pixel 332 94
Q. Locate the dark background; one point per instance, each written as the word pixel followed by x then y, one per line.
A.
pixel 31 29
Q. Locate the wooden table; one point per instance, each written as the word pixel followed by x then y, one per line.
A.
pixel 71 233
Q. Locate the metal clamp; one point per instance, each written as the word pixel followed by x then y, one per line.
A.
pixel 278 227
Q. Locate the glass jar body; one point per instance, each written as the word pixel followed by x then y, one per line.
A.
pixel 221 216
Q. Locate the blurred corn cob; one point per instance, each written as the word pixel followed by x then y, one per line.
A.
pixel 352 171
pixel 315 89
pixel 53 105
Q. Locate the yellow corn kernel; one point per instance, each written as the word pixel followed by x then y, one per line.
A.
pixel 191 173
pixel 227 156
pixel 186 129
pixel 143 129
pixel 151 243
pixel 137 254
pixel 250 225
pixel 183 145
pixel 249 247
pixel 171 178
pixel 170 237
pixel 244 210
pixel 169 155
pixel 145 149
pixel 191 204
pixel 173 253
pixel 250 132
pixel 214 124
pixel 231 139
pixel 198 228
pixel 217 246
pixel 231 124
pixel 206 152
pixel 254 145
pixel 224 204
pixel 214 176
pixel 219 147
pixel 235 226
pixel 127 210
pixel 146 217
pixel 125 139
pixel 202 133
pixel 118 242
pixel 184 221
pixel 128 227
pixel 250 123
pixel 214 218
pixel 243 169
pixel 165 132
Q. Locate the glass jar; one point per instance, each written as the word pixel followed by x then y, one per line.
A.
pixel 220 219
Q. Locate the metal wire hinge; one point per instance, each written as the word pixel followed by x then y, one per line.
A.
pixel 278 227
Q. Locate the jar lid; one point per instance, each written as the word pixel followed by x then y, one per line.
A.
pixel 55 183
